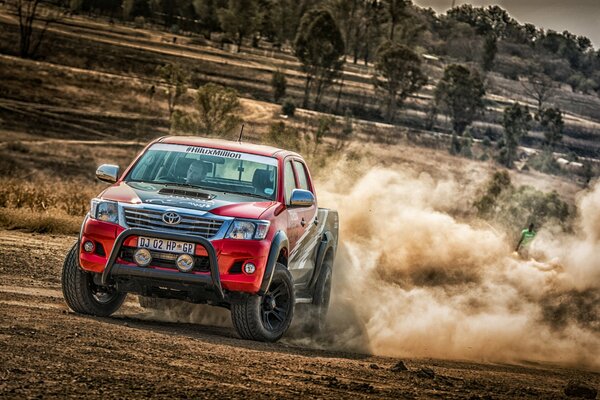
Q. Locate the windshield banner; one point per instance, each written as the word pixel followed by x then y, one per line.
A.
pixel 214 153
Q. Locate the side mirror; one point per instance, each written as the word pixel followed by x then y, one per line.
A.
pixel 108 173
pixel 302 198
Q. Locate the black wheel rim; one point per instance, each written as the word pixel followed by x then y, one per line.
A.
pixel 276 306
pixel 102 294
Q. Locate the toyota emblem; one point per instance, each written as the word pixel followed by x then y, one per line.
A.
pixel 171 218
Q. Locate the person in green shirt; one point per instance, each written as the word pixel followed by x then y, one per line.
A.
pixel 527 236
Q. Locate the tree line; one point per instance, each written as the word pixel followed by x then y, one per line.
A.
pixel 392 36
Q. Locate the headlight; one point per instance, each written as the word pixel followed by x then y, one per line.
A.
pixel 107 211
pixel 248 230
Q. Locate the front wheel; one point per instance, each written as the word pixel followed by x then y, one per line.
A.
pixel 266 318
pixel 82 294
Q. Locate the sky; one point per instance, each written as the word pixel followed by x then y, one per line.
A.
pixel 580 17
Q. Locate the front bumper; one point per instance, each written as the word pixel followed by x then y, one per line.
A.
pixel 219 278
pixel 114 269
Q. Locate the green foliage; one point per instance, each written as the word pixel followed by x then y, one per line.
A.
pixel 278 84
pixel 136 8
pixel 398 74
pixel 215 108
pixel 320 48
pixel 288 108
pixel 348 127
pixel 516 122
pixel 461 92
pixel 239 19
pixel 284 136
pixel 455 145
pixel 139 22
pixel 553 124
pixel 587 173
pixel 467 146
pixel 545 162
pixel 324 129
pixel 490 48
pixel 499 181
pixel 175 78
pixel 207 9
pixel 514 208
pixel 488 20
pixel 397 11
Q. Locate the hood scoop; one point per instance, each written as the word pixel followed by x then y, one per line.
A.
pixel 186 193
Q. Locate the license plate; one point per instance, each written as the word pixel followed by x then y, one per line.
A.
pixel 170 246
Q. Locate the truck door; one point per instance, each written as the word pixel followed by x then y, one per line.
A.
pixel 301 261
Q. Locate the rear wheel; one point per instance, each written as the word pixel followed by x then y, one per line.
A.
pixel 316 313
pixel 82 294
pixel 266 318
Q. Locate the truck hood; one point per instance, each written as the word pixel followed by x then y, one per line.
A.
pixel 218 203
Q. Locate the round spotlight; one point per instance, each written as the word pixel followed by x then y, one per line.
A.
pixel 185 263
pixel 249 268
pixel 142 257
pixel 88 246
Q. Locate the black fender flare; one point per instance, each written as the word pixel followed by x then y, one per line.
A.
pixel 327 242
pixel 280 241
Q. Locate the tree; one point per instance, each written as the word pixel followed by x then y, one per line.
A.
pixel 239 19
pixel 214 114
pixel 540 87
pixel 176 79
pixel 398 73
pixel 516 122
pixel 136 8
pixel 29 13
pixel 278 84
pixel 207 10
pixel 320 48
pixel 553 124
pixel 397 10
pixel 490 48
pixel 460 92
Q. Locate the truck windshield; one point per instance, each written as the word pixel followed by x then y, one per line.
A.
pixel 207 168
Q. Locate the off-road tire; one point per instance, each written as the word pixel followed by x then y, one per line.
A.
pixel 248 315
pixel 316 312
pixel 80 292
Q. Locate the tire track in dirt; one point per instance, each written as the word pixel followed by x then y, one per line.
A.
pixel 50 352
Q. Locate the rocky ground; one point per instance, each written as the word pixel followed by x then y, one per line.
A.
pixel 48 351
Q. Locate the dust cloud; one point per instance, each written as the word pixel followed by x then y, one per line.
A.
pixel 414 277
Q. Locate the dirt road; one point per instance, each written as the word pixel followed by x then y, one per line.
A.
pixel 47 350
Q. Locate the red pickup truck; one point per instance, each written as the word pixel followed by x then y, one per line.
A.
pixel 207 221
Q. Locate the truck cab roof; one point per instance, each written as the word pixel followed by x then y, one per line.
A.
pixel 258 149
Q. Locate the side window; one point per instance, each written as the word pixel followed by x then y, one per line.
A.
pixel 289 181
pixel 301 171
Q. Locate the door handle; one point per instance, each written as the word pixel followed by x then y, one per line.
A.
pixel 303 222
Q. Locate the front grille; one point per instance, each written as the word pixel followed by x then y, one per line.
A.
pixel 152 219
pixel 166 260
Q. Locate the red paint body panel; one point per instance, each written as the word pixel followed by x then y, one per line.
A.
pixel 229 251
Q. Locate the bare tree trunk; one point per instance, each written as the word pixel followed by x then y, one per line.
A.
pixel 27 11
pixel 306 91
pixel 339 95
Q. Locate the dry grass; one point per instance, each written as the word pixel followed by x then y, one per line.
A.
pixel 45 206
pixel 71 197
pixel 55 221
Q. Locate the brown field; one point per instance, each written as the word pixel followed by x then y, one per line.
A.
pixel 85 101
